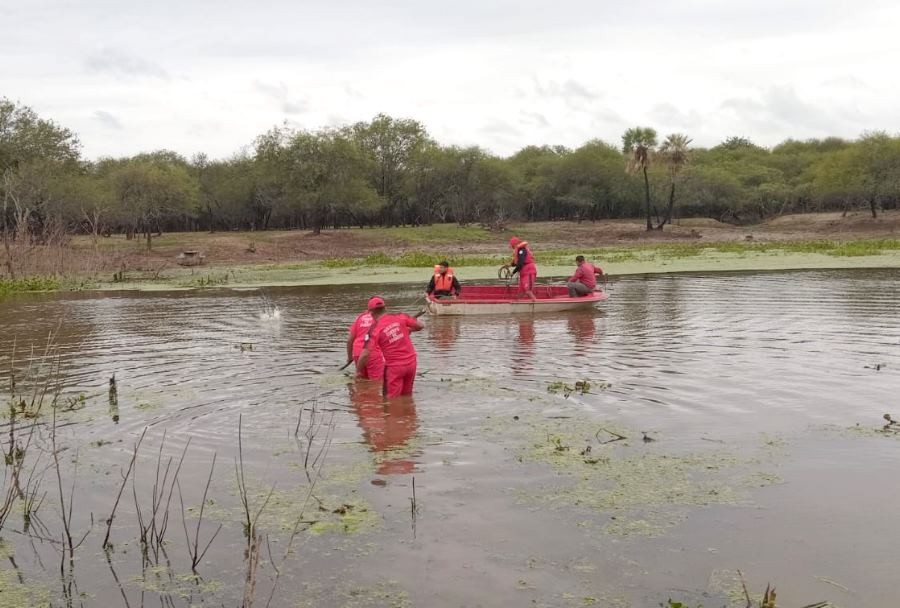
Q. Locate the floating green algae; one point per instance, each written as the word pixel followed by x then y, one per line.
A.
pixel 382 594
pixel 644 489
pixel 17 591
pixel 165 581
pixel 335 506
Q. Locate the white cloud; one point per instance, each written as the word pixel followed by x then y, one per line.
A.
pixel 211 75
pixel 108 120
pixel 122 64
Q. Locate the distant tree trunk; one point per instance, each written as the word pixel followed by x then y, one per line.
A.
pixel 873 205
pixel 670 208
pixel 212 223
pixel 10 268
pixel 647 199
pixel 846 207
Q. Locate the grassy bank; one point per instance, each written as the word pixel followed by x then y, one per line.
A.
pixel 407 254
pixel 35 283
pixel 416 266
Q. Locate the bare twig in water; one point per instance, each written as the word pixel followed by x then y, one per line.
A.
pixel 194 545
pixel 833 583
pixel 254 539
pixel 768 598
pixel 744 586
pixel 112 514
pixel 116 578
pixel 413 507
pixel 164 523
pixel 68 544
pixel 152 530
pixel 616 436
pixel 313 427
pixel 301 516
pixel 16 455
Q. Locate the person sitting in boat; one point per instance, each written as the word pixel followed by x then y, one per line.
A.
pixel 444 283
pixel 584 281
pixel 523 264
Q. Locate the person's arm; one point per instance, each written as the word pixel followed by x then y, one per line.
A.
pixel 520 260
pixel 430 288
pixel 414 324
pixel 350 339
pixel 364 355
pixel 456 286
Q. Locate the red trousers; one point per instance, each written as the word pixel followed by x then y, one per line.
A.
pixel 527 277
pixel 399 380
pixel 374 367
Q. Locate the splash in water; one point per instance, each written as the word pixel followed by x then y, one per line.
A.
pixel 270 312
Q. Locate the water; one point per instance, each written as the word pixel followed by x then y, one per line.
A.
pixel 747 376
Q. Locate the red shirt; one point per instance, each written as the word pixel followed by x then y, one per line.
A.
pixel 391 335
pixel 359 329
pixel 586 273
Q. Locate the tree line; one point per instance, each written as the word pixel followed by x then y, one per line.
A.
pixel 389 171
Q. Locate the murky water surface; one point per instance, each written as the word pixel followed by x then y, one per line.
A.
pixel 748 389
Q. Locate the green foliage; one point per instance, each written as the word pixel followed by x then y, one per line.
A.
pixel 413 259
pixel 25 137
pixel 36 283
pixel 388 171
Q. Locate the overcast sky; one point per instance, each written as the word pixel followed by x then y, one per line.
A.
pixel 209 76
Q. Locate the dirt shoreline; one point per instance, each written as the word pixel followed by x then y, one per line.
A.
pixel 250 277
pixel 404 254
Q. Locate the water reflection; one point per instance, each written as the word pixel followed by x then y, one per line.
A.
pixel 443 331
pixel 387 425
pixel 583 328
pixel 523 353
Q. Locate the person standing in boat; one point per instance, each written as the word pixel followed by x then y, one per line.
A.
pixel 444 283
pixel 390 335
pixel 584 281
pixel 523 264
pixel 356 340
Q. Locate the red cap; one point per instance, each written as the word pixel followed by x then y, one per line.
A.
pixel 514 241
pixel 375 302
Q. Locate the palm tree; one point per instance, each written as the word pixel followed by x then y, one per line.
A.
pixel 639 143
pixel 675 154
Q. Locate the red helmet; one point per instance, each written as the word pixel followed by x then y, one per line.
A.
pixel 514 241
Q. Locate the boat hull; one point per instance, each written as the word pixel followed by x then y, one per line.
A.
pixel 493 300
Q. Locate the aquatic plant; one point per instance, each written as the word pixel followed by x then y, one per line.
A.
pixel 580 386
pixel 35 283
pixel 643 491
pixel 413 259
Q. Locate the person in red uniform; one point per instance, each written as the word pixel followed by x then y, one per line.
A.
pixel 523 264
pixel 584 281
pixel 356 340
pixel 390 335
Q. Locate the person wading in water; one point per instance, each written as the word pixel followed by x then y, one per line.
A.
pixel 356 340
pixel 390 335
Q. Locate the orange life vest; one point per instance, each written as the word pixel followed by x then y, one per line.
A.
pixel 443 282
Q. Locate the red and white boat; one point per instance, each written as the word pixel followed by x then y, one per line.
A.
pixel 500 299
